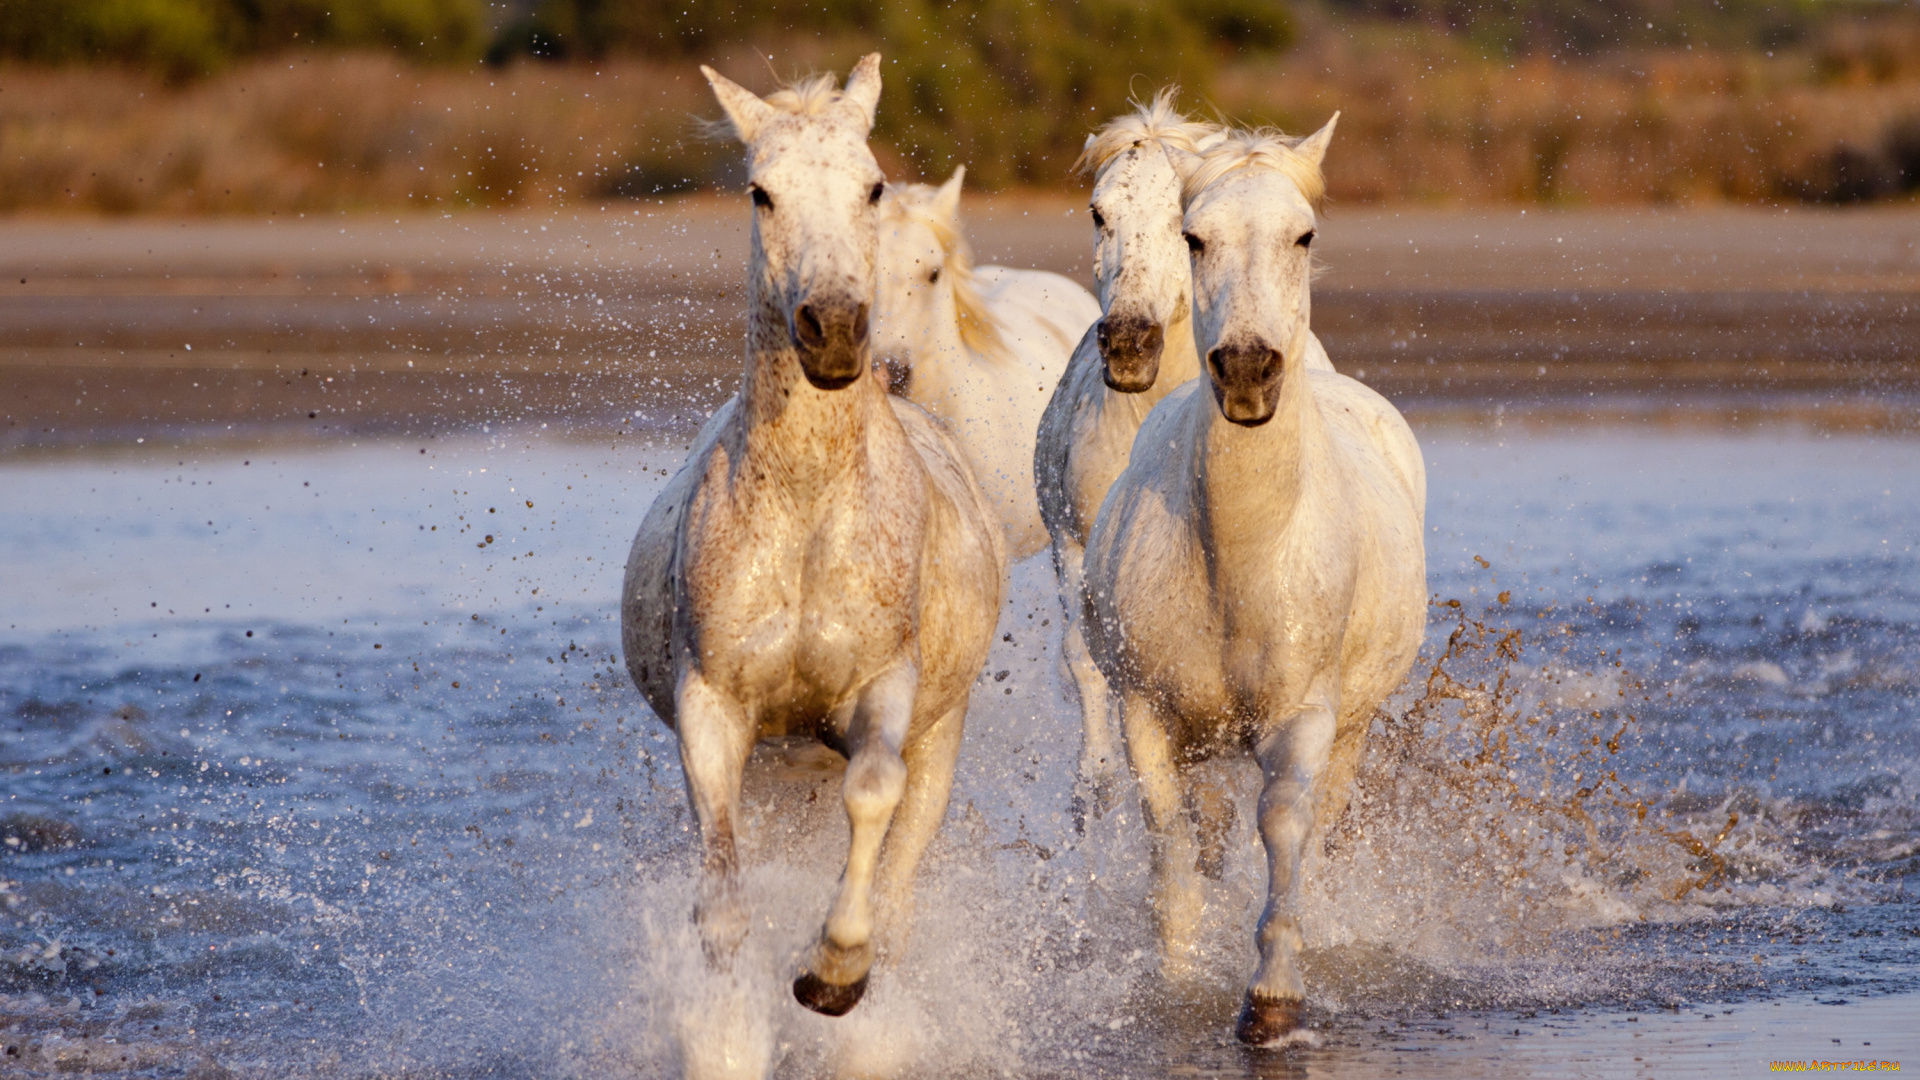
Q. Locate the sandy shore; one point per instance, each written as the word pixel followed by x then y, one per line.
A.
pixel 610 309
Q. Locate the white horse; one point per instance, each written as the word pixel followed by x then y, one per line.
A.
pixel 1256 578
pixel 823 563
pixel 1140 350
pixel 978 347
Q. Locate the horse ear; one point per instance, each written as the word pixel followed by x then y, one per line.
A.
pixel 1314 146
pixel 947 200
pixel 863 86
pixel 1185 162
pixel 745 111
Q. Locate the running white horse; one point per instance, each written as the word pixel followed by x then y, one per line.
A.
pixel 978 347
pixel 1256 579
pixel 1140 350
pixel 823 563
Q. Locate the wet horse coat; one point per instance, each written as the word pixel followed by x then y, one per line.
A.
pixel 824 562
pixel 1256 578
pixel 1140 351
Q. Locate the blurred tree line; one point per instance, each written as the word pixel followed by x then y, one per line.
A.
pixel 186 38
pixel 1009 87
pixel 1587 27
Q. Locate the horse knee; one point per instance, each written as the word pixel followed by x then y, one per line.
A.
pixel 876 782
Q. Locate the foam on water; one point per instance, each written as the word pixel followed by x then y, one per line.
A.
pixel 376 871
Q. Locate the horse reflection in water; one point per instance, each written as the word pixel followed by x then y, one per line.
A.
pixel 824 561
pixel 1256 577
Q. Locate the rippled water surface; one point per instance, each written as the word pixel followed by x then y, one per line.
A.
pixel 318 759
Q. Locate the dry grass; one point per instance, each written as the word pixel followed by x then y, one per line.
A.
pixel 1421 121
pixel 337 132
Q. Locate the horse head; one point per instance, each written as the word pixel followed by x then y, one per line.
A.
pixel 816 188
pixel 1251 204
pixel 1139 263
pixel 926 302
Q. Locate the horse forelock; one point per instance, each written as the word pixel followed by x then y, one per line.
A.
pixel 980 329
pixel 807 96
pixel 1156 122
pixel 1263 148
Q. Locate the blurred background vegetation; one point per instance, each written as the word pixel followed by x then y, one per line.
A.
pixel 262 105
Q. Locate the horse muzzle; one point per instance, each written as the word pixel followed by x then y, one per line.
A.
pixel 1130 345
pixel 1246 381
pixel 831 336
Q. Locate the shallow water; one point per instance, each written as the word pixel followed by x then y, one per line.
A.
pixel 319 760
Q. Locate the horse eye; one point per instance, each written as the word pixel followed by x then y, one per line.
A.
pixel 1194 243
pixel 1306 241
pixel 878 190
pixel 761 199
pixel 1099 219
pixel 933 277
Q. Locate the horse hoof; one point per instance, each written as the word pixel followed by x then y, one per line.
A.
pixel 1265 1021
pixel 825 998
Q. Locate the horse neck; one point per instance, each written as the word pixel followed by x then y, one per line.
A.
pixel 1253 478
pixel 798 437
pixel 1179 357
pixel 944 355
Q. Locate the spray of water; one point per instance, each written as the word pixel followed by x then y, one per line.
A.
pixel 1492 857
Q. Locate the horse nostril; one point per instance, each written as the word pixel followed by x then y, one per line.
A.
pixel 860 323
pixel 1152 341
pixel 807 323
pixel 1217 362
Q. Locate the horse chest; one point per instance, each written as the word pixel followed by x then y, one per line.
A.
pixel 1239 629
pixel 794 618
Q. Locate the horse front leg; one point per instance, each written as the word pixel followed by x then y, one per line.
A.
pixel 715 739
pixel 1293 760
pixel 1177 896
pixel 836 974
pixel 1098 781
pixel 930 759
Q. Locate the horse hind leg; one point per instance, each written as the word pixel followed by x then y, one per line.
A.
pixel 1211 805
pixel 835 977
pixel 1177 896
pixel 1293 761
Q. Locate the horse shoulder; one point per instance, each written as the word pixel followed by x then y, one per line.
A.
pixel 1155 626
pixel 1388 614
pixel 963 563
pixel 1056 440
pixel 1363 417
pixel 1316 354
pixel 651 586
pixel 1148 514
